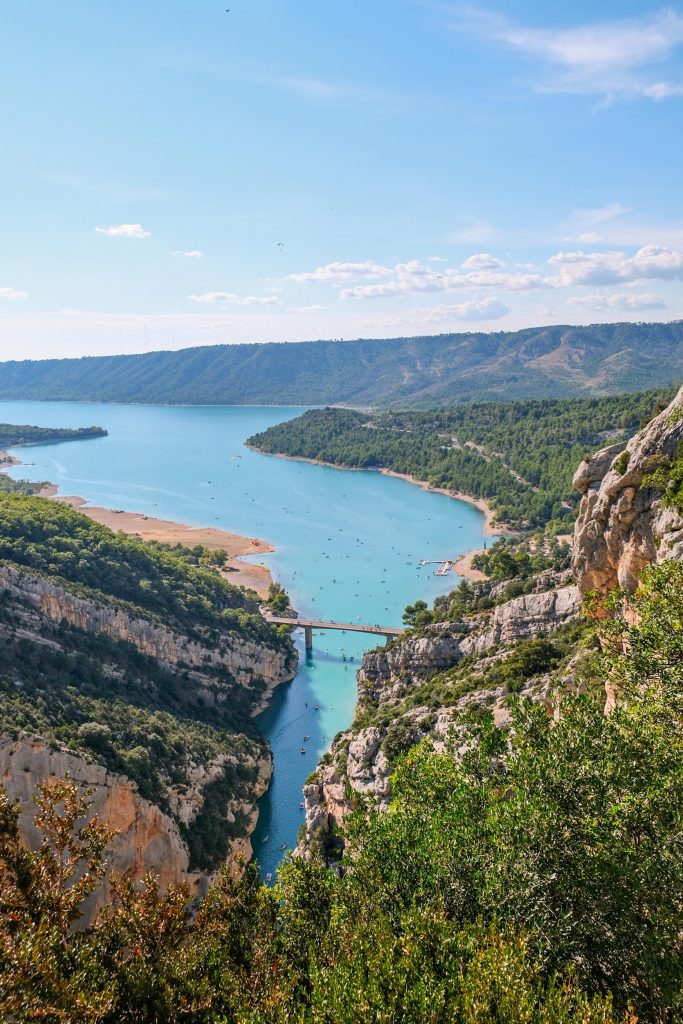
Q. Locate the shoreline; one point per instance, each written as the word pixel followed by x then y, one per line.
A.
pixel 151 528
pixel 462 566
pixel 490 529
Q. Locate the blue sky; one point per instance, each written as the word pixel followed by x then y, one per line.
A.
pixel 173 174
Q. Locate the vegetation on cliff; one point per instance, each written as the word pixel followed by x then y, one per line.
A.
pixel 537 362
pixel 164 724
pixel 175 583
pixel 536 876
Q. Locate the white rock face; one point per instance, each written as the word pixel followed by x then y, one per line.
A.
pixel 622 525
pixel 145 839
pixel 359 768
pixel 523 618
pixel 244 659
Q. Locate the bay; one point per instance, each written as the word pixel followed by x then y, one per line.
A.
pixel 347 546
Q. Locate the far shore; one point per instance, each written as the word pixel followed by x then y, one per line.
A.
pixel 150 528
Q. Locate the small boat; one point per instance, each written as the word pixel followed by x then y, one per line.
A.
pixel 283 846
pixel 317 707
pixel 265 839
pixel 269 877
pixel 306 738
pixel 302 805
pixel 303 750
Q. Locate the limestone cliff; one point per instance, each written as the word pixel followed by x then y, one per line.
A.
pixel 145 838
pixel 156 720
pixel 623 522
pixel 245 660
pixel 415 688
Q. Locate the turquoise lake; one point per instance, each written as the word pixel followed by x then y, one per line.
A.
pixel 347 546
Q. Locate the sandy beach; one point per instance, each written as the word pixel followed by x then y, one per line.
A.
pixel 463 567
pixel 236 571
pixel 242 574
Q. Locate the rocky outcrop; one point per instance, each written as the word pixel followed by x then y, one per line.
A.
pixel 622 524
pixel 244 660
pixel 383 673
pixel 524 618
pixel 145 838
pixel 203 788
pixel 357 770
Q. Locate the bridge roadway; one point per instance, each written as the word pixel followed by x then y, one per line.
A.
pixel 308 625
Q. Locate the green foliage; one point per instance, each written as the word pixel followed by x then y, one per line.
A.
pixel 55 540
pixel 417 615
pixel 621 463
pixel 519 456
pixel 667 476
pixel 278 599
pixel 313 950
pixel 13 435
pixel 540 362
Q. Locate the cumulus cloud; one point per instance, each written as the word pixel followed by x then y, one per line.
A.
pixel 229 299
pixel 602 268
pixel 413 277
pixel 628 301
pixel 12 293
pixel 475 310
pixel 482 261
pixel 607 58
pixel 190 254
pixel 124 231
pixel 338 273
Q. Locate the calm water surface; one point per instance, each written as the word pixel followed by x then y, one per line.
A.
pixel 347 546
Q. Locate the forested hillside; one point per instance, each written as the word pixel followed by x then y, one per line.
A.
pixel 534 876
pixel 520 456
pixel 138 657
pixel 13 435
pixel 422 371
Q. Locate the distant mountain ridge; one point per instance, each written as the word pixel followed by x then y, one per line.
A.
pixel 542 362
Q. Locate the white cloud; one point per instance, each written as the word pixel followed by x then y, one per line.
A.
pixel 12 293
pixel 601 268
pixel 608 58
pixel 305 309
pixel 475 310
pixel 413 276
pixel 229 299
pixel 482 261
pixel 628 301
pixel 337 273
pixel 190 254
pixel 124 231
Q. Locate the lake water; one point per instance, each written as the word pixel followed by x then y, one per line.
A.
pixel 347 546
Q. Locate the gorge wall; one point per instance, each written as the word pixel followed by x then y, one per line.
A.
pixel 161 686
pixel 625 521
pixel 631 515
